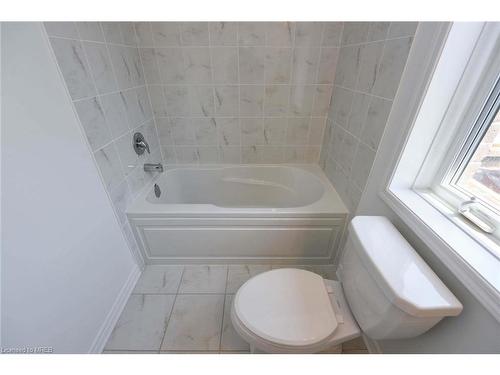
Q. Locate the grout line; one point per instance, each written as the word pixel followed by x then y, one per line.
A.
pixel 149 95
pixel 210 52
pixel 223 308
pixel 164 101
pixel 154 45
pixel 172 310
pixel 239 90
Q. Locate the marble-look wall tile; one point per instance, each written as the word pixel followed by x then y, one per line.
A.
pixel 61 29
pixel 297 131
pixel 144 32
pixel 166 34
pixel 202 102
pixel 73 64
pixel 374 126
pixel 128 33
pixel 308 33
pixel 402 29
pixel 93 120
pixel 194 33
pixel 230 154
pixel 277 65
pixel 198 69
pixel 368 72
pixel 252 131
pixel 280 34
pixel 90 31
pixel 121 196
pixel 391 67
pixel 110 166
pixel 327 65
pixel 276 100
pixel 251 100
pixel 251 64
pixel 205 131
pixel 346 72
pixel 116 114
pixel 275 131
pixel 305 65
pixel 177 100
pixel 301 100
pixel 246 73
pixel 112 32
pixel 251 33
pixel 225 65
pixel 229 132
pixel 332 34
pixel 151 71
pixel 223 33
pixel 317 128
pixel 362 163
pixel 100 66
pixel 171 65
pixel 227 100
pixel 355 32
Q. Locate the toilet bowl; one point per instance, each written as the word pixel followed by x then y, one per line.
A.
pixel 386 291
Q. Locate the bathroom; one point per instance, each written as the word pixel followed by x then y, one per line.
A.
pixel 250 186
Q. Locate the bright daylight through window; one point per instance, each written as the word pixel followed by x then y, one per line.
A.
pixel 480 176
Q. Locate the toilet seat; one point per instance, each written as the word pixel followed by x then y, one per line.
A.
pixel 292 311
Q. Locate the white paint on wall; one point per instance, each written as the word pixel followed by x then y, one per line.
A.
pixel 66 268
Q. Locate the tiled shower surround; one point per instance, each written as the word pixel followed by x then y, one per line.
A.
pixel 240 92
pixel 232 92
pixel 371 61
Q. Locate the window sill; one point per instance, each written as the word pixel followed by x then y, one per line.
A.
pixel 471 263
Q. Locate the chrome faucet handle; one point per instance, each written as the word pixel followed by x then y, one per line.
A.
pixel 144 145
pixel 139 143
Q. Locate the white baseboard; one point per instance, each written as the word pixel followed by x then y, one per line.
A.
pixel 115 312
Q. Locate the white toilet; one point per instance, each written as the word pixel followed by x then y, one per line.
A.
pixel 386 291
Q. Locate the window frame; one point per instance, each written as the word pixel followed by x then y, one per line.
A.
pixel 433 76
pixel 478 91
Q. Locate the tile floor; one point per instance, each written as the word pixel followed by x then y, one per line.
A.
pixel 186 309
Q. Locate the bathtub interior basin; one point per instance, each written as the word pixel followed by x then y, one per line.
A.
pixel 260 186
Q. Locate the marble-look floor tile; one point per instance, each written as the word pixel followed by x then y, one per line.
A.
pixel 159 279
pixel 142 323
pixel 195 323
pixel 239 274
pixel 230 338
pixel 204 279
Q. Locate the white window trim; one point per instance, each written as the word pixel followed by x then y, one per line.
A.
pixel 421 94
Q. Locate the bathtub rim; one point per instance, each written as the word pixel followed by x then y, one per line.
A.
pixel 329 205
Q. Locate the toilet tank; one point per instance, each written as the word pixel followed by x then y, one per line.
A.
pixel 391 291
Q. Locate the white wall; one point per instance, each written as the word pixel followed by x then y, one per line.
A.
pixel 66 268
pixel 475 330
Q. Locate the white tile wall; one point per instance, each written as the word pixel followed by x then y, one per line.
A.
pixel 371 60
pixel 235 92
pixel 104 72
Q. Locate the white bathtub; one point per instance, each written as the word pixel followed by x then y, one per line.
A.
pixel 239 214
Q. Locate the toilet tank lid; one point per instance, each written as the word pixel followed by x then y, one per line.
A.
pixel 406 280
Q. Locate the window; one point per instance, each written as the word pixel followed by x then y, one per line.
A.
pixel 443 123
pixel 472 180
